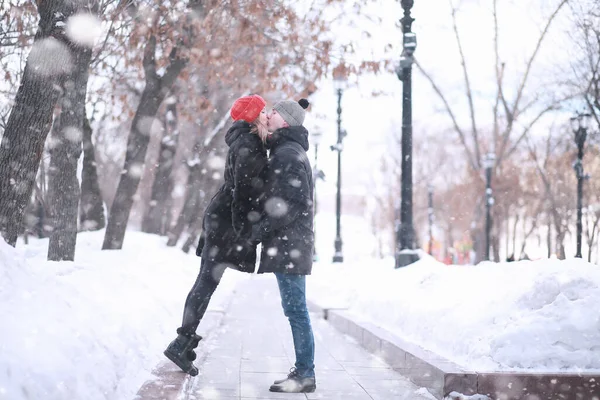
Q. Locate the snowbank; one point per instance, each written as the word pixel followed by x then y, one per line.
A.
pixel 527 315
pixel 94 328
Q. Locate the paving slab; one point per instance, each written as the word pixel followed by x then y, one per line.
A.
pixel 253 347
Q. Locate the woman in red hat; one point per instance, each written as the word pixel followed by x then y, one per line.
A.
pixel 227 223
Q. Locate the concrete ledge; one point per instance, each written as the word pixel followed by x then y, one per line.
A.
pixel 513 385
pixel 442 377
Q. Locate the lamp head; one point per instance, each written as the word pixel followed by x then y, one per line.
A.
pixel 316 137
pixel 489 160
pixel 410 43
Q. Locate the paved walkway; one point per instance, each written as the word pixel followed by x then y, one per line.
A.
pixel 253 347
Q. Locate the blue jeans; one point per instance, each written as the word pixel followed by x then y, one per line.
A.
pixel 293 300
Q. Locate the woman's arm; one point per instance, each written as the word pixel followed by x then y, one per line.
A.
pixel 248 174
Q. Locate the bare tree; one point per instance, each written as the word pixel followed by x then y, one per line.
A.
pixel 252 27
pixel 154 92
pixel 48 64
pixel 91 206
pixel 557 181
pixel 512 119
pixel 156 219
pixel 65 152
pixel 199 186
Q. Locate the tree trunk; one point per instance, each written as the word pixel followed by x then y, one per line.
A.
pixel 42 228
pixel 190 204
pixel 560 244
pixel 449 241
pixel 527 235
pixel 592 237
pixel 514 239
pixel 31 116
pixel 137 144
pixel 64 156
pixel 496 247
pixel 478 238
pixel 192 239
pixel 156 220
pixel 507 242
pixel 549 235
pixel 91 206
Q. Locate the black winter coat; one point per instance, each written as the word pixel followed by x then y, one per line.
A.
pixel 228 219
pixel 286 229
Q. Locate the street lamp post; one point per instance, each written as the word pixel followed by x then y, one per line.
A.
pixel 338 255
pixel 317 174
pixel 405 231
pixel 579 124
pixel 430 213
pixel 488 164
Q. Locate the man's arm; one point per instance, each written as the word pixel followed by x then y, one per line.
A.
pixel 288 198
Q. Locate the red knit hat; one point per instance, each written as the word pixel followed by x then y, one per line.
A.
pixel 247 108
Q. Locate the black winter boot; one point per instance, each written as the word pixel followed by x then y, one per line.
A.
pixel 181 352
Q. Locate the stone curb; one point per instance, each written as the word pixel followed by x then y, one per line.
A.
pixel 168 380
pixel 442 377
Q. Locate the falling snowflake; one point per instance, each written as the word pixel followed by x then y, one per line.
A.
pixel 83 29
pixel 295 183
pixel 49 57
pixel 73 134
pixel 276 207
pixel 148 125
pixel 136 170
pixel 216 162
pixel 253 216
pixel 213 252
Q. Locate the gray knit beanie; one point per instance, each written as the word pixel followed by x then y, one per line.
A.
pixel 292 111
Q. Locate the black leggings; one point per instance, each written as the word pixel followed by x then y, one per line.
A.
pixel 197 300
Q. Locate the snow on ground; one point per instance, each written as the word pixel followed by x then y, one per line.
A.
pixel 528 315
pixel 94 328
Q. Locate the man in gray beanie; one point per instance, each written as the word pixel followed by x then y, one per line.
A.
pixel 286 233
pixel 292 112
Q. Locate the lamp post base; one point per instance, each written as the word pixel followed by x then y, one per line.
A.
pixel 338 256
pixel 406 257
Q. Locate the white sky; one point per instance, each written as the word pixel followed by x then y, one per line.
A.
pixel 370 121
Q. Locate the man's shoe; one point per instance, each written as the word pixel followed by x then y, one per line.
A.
pixel 293 374
pixel 294 384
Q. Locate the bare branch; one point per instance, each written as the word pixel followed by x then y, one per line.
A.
pixel 467 82
pixel 174 69
pixel 592 109
pixel 473 162
pixel 211 136
pixel 535 52
pixel 500 66
pixel 554 106
pixel 542 174
pixel 149 61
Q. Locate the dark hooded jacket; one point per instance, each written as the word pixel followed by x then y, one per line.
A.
pixel 286 228
pixel 228 219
